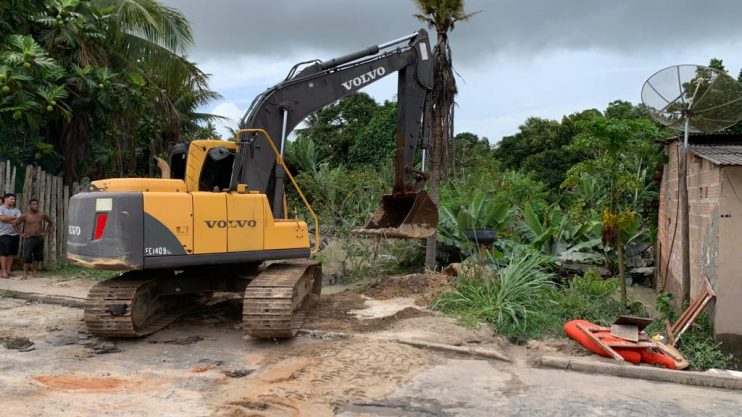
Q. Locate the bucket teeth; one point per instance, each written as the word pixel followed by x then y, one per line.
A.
pixel 405 216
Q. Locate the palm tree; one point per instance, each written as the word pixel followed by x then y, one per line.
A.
pixel 440 15
pixel 141 43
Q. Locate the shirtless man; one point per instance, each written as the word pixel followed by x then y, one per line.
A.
pixel 8 234
pixel 35 226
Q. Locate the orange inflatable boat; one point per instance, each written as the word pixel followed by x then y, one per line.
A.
pixel 629 354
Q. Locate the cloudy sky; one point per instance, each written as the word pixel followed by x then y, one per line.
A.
pixel 515 58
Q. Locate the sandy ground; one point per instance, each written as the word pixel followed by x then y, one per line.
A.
pixel 346 364
pixel 202 364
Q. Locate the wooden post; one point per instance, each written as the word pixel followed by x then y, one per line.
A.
pixel 65 211
pixel 40 180
pixel 48 210
pixel 52 241
pixel 11 185
pixel 58 223
pixel 27 192
pixel 2 177
pixel 41 186
pixel 6 185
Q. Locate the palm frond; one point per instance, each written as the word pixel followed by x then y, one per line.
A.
pixel 151 20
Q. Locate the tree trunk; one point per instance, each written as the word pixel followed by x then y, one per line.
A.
pixel 442 98
pixel 621 271
pixel 436 154
pixel 73 145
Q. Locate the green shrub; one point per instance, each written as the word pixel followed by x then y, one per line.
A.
pixel 697 344
pixel 590 298
pixel 509 298
pixel 701 350
pixel 522 303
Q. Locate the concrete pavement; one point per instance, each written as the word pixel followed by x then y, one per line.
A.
pixel 479 388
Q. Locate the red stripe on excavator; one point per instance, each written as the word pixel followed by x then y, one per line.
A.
pixel 100 225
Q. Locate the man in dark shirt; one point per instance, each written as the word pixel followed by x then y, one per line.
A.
pixel 35 225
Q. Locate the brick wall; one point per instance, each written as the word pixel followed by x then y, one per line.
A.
pixel 668 232
pixel 704 191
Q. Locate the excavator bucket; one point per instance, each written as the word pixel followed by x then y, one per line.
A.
pixel 407 216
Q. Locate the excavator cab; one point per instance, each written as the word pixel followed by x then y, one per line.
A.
pixel 177 161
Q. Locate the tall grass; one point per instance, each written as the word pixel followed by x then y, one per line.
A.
pixel 505 298
pixel 522 302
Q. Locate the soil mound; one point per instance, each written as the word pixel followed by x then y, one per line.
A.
pixel 424 287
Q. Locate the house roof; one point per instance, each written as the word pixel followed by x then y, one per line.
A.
pixel 719 154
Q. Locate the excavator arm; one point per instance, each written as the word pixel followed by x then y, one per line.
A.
pixel 282 107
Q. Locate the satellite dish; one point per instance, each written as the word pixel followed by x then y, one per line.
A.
pixel 693 98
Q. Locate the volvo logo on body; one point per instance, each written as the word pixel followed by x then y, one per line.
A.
pixel 365 78
pixel 232 224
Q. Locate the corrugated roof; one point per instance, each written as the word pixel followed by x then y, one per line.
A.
pixel 730 154
pixel 713 138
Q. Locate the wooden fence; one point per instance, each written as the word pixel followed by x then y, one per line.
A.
pixel 53 198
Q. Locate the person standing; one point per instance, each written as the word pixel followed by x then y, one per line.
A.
pixel 8 235
pixel 35 225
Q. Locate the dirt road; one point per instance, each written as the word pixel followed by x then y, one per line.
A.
pixel 202 366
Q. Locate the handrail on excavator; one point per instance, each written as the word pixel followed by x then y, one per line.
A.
pixel 279 159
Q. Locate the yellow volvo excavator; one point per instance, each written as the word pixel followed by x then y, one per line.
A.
pixel 221 214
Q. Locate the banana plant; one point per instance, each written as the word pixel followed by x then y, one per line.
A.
pixel 557 235
pixel 483 212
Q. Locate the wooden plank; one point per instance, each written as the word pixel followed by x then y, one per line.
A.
pixel 629 344
pixel 670 332
pixel 37 183
pixel 11 185
pixel 58 222
pixel 27 183
pixel 40 179
pixel 52 240
pixel 47 210
pixel 65 217
pixel 49 192
pixel 706 298
pixel 669 351
pixel 686 314
pixel 43 197
pixel 625 331
pixel 2 177
pixel 6 176
pixel 6 186
pixel 607 349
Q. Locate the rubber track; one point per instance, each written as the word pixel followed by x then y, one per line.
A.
pixel 109 312
pixel 276 302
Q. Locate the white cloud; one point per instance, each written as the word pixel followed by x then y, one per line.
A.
pixel 518 58
pixel 232 112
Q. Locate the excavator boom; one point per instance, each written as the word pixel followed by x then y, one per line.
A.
pixel 407 212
